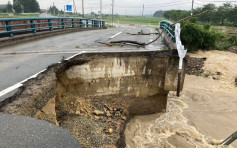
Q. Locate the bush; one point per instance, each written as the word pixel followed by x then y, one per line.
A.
pixel 227 42
pixel 233 40
pixel 196 37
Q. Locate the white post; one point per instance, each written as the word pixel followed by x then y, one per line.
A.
pixel 83 9
pixel 112 12
pixel 100 9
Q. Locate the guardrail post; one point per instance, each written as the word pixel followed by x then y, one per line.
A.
pixel 92 23
pixel 96 23
pixel 62 23
pixel 9 28
pixel 87 23
pixel 50 25
pixel 73 26
pixel 33 26
pixel 81 23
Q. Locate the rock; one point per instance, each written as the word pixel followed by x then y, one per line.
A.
pixel 108 114
pixel 117 113
pixel 109 120
pixel 111 131
pixel 97 117
pixel 110 108
pixel 98 112
pixel 124 117
pixel 233 49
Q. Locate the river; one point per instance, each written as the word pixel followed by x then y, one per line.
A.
pixel 204 115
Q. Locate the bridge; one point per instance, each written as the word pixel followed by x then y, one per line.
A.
pixel 85 64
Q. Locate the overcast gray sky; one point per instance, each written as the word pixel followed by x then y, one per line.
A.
pixel 127 7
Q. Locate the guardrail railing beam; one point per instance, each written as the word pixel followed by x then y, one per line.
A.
pixel 33 24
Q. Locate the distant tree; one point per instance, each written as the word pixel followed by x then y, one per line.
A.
pixel 232 16
pixel 17 6
pixel 30 6
pixel 176 15
pixel 3 9
pixel 27 6
pixel 222 13
pixel 53 10
pixel 159 13
pixel 9 7
pixel 207 17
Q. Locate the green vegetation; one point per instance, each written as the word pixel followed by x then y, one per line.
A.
pixel 27 6
pixel 159 13
pixel 195 37
pixel 222 15
pixel 176 15
pixel 136 20
pixel 16 15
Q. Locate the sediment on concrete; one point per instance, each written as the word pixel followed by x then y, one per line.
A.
pixel 94 95
pixel 6 41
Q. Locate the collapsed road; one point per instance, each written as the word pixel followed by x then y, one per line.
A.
pixel 92 94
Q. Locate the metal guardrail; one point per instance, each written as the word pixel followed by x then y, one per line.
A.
pixel 10 26
pixel 230 139
pixel 173 31
pixel 170 30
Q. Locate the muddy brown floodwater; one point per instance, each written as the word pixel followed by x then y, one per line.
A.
pixel 203 116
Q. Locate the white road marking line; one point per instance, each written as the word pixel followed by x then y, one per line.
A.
pixel 9 89
pixel 18 85
pixel 115 35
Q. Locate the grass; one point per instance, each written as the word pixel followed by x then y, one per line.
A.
pixel 225 29
pixel 19 15
pixel 136 20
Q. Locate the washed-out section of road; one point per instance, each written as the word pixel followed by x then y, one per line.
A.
pixel 94 94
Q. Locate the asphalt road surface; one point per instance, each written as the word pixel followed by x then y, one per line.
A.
pixel 23 132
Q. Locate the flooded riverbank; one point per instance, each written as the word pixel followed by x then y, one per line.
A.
pixel 203 116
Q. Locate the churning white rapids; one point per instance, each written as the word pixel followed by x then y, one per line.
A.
pixel 204 115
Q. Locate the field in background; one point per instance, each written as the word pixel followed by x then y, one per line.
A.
pixel 19 15
pixel 225 29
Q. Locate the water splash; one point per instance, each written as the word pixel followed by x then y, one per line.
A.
pixel 169 130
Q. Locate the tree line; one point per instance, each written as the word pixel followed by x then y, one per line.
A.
pixel 225 14
pixel 19 6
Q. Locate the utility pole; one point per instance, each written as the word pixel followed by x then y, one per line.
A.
pixel 83 9
pixel 53 9
pixel 112 12
pixel 64 10
pixel 100 9
pixel 142 10
pixel 192 8
pixel 74 6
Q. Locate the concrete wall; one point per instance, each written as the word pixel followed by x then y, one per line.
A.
pixel 139 82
